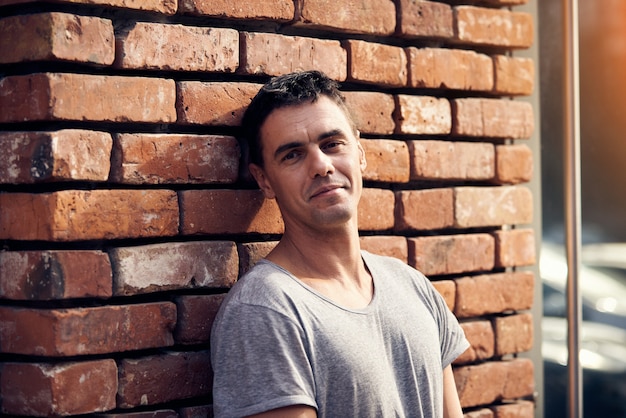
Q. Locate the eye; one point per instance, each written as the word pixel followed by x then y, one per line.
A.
pixel 332 145
pixel 290 155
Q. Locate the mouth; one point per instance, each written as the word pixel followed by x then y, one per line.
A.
pixel 326 189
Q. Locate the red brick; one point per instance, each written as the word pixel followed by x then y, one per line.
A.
pixel 514 164
pixel 162 378
pixel 494 293
pixel 182 265
pixel 452 254
pixel 392 246
pixel 161 6
pixel 158 46
pixel 514 75
pixel 372 112
pixel 514 333
pixel 275 10
pixel 480 413
pixel 387 161
pixel 86 97
pixel 56 37
pixel 228 212
pixel 419 18
pixel 273 54
pixel 494 381
pixel 447 289
pixel 213 103
pixel 424 209
pixel 515 247
pixel 251 252
pixel 492 118
pixel 81 215
pixel 195 317
pixel 374 63
pixel 375 211
pixel 519 409
pixel 178 159
pixel 492 206
pixel 482 339
pixel 50 275
pixel 444 160
pixel 354 16
pixel 82 331
pixel 439 68
pixel 68 154
pixel 74 388
pixel 423 115
pixel 493 27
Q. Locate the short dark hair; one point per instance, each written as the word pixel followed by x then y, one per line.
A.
pixel 286 90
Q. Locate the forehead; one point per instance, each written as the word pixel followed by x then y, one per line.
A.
pixel 306 120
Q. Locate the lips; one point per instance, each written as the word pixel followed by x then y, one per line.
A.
pixel 320 190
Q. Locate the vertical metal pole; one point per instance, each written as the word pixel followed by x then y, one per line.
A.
pixel 572 202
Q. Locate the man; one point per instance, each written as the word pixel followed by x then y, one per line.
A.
pixel 319 327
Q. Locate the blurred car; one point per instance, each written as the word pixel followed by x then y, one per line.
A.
pixel 602 288
pixel 602 332
pixel 603 361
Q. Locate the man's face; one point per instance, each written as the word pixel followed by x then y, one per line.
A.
pixel 313 164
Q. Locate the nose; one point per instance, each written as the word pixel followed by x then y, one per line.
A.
pixel 320 164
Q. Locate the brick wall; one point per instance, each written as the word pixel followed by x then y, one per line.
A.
pixel 126 213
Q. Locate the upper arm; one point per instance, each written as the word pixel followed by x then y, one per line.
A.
pixel 293 411
pixel 451 402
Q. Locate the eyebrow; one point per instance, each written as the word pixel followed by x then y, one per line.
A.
pixel 295 144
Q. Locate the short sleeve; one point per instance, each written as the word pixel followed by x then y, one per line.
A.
pixel 259 361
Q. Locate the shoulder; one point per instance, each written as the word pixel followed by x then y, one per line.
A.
pixel 383 266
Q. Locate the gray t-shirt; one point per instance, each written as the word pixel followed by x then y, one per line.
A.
pixel 277 342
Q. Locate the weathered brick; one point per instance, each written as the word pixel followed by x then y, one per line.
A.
pixel 161 6
pixel 56 37
pixel 179 159
pixel 82 215
pixel 494 293
pixel 67 154
pixel 71 388
pixel 372 112
pixel 183 265
pixel 158 46
pixel 480 413
pixel 353 16
pixel 447 289
pixel 515 247
pixel 392 246
pixel 492 118
pixel 425 19
pixel 492 206
pixel 514 75
pixel 375 211
pixel 195 317
pixel 228 212
pixel 445 160
pixel 455 69
pixel 251 252
pixel 213 103
pixel 198 411
pixel 273 54
pixel 49 275
pixel 486 383
pixel 82 331
pixel 482 340
pixel 423 115
pixel 518 409
pixel 424 209
pixel 376 63
pixel 387 160
pixel 493 27
pixel 514 164
pixel 452 254
pixel 514 333
pixel 86 97
pixel 275 10
pixel 162 378
pixel 160 413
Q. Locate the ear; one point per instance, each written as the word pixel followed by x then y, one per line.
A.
pixel 362 159
pixel 259 175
